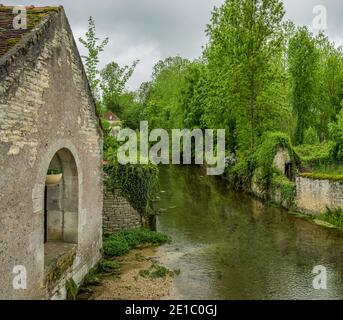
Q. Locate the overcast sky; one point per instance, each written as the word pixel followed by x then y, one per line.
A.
pixel 150 30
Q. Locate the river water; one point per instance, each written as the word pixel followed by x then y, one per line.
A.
pixel 229 245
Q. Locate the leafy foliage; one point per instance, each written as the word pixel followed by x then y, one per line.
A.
pixel 120 243
pixel 161 97
pixel 94 48
pixel 303 60
pixel 258 74
pixel 336 131
pixel 285 187
pixel 115 97
pixel 137 182
pixel 243 61
pixel 310 152
pixel 310 137
pixel 314 156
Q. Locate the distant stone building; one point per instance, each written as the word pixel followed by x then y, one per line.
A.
pixel 48 122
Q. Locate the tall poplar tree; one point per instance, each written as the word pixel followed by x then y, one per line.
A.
pixel 303 67
pixel 243 57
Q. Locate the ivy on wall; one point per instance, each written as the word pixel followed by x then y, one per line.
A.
pixel 138 183
pixel 265 154
pixel 285 187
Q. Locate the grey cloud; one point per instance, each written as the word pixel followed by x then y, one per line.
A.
pixel 150 30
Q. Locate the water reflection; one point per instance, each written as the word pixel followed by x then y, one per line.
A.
pixel 231 246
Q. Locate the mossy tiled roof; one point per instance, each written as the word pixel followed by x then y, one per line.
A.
pixel 9 36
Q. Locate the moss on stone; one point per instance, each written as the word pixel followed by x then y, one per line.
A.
pixel 10 37
pixel 322 176
pixel 59 268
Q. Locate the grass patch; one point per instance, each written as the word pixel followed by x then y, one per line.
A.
pixel 333 217
pixel 109 266
pixel 72 289
pixel 92 278
pixel 121 243
pixel 156 271
pixel 329 219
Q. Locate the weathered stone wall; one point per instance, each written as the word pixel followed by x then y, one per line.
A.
pixel 118 214
pixel 281 158
pixel 45 105
pixel 315 196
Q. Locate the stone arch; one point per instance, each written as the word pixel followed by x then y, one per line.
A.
pixel 61 201
pixel 64 154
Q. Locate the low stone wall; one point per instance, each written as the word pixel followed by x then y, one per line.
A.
pixel 118 214
pixel 315 196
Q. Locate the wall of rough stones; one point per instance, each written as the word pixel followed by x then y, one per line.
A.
pixel 315 196
pixel 118 214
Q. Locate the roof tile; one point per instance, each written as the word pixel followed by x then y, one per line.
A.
pixel 9 36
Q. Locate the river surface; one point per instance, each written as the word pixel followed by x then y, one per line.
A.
pixel 229 245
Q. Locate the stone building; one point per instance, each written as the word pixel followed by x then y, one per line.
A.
pixel 48 123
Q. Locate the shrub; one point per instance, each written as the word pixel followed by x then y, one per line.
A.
pixel 120 243
pixel 239 176
pixel 314 155
pixel 287 188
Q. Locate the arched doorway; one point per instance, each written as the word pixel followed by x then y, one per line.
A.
pixel 61 206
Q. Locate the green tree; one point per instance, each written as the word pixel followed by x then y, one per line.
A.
pixel 115 96
pixel 161 97
pixel 330 84
pixel 336 131
pixel 243 55
pixel 94 47
pixel 303 68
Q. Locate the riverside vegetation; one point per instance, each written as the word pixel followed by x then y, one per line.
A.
pixel 266 81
